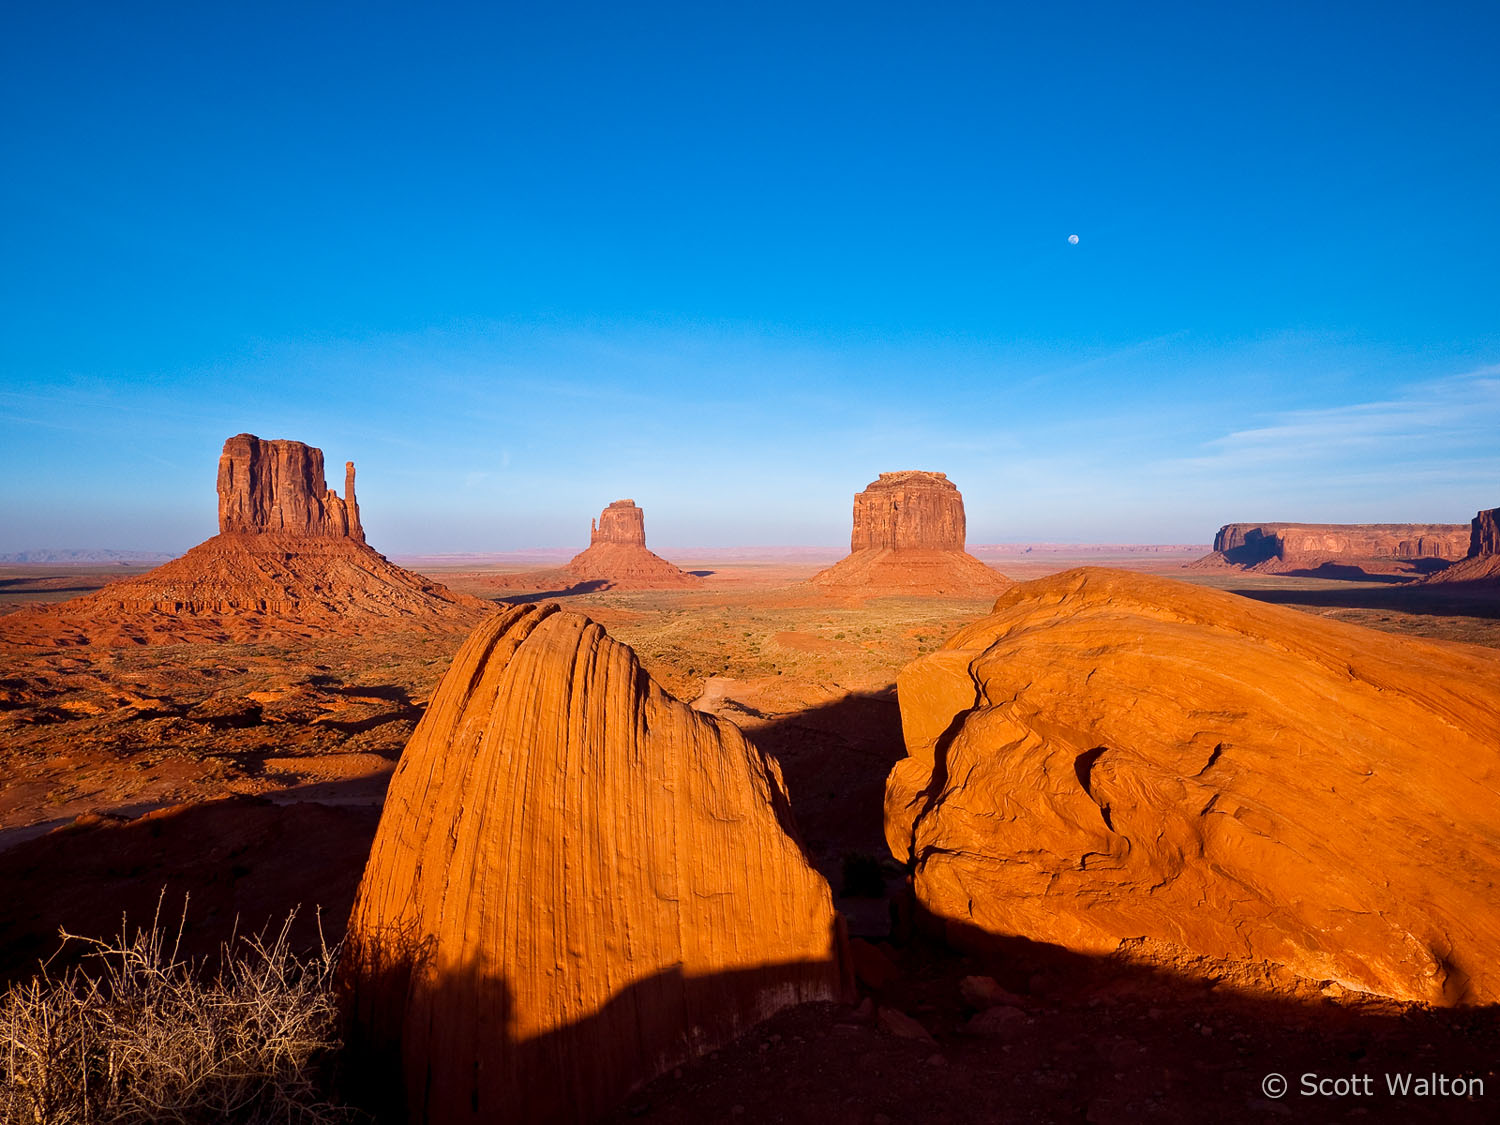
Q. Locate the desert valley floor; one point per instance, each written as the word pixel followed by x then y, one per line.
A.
pixel 247 778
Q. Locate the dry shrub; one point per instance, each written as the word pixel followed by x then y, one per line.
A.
pixel 139 1033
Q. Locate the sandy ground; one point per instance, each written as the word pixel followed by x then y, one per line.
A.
pixel 247 779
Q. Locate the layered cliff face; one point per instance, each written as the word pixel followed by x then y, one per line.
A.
pixel 1276 547
pixel 578 882
pixel 617 556
pixel 1482 563
pixel 622 522
pixel 1112 756
pixel 290 561
pixel 1484 534
pixel 909 510
pixel 908 538
pixel 278 486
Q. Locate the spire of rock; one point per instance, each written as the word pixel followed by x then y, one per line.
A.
pixel 351 505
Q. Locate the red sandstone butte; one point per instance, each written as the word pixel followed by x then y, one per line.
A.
pixel 1273 548
pixel 290 559
pixel 577 883
pixel 1112 756
pixel 278 486
pixel 1482 563
pixel 617 556
pixel 908 538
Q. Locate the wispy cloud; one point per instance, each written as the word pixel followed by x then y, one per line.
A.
pixel 1445 418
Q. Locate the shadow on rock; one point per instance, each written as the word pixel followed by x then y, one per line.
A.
pixel 1444 601
pixel 590 586
pixel 240 861
pixel 411 1055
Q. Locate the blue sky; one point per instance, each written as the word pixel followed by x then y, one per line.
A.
pixel 519 261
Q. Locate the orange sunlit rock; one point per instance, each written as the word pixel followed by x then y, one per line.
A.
pixel 1112 756
pixel 278 486
pixel 908 538
pixel 577 883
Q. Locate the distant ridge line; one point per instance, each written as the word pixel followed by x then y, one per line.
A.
pixel 85 555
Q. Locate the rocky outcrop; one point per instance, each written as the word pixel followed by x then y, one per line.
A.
pixel 908 538
pixel 578 882
pixel 617 557
pixel 622 522
pixel 1113 757
pixel 1482 562
pixel 909 510
pixel 1484 534
pixel 278 486
pixel 290 561
pixel 1279 547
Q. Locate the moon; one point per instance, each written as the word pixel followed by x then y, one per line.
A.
pixel 1072 240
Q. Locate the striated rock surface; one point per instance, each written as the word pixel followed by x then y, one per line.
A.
pixel 617 557
pixel 621 522
pixel 1113 757
pixel 290 561
pixel 578 882
pixel 278 486
pixel 1482 563
pixel 1278 547
pixel 1484 534
pixel 909 510
pixel 908 538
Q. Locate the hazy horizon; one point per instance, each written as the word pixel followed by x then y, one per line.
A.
pixel 518 264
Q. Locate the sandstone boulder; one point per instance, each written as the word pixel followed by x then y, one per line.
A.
pixel 908 538
pixel 578 882
pixel 1113 757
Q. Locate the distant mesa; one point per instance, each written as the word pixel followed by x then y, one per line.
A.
pixel 1280 548
pixel 615 559
pixel 909 539
pixel 622 523
pixel 909 511
pixel 82 556
pixel 578 883
pixel 617 554
pixel 290 559
pixel 1484 534
pixel 1481 563
pixel 1119 763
